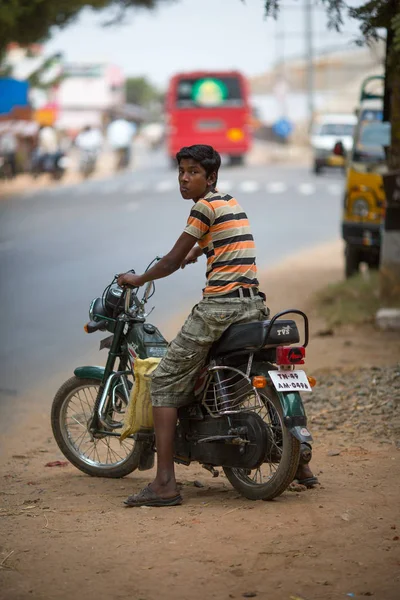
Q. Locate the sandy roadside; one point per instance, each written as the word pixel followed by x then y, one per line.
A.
pixel 63 534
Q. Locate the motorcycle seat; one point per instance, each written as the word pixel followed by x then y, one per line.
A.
pixel 253 336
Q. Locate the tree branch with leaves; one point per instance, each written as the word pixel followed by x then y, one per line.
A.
pixel 30 21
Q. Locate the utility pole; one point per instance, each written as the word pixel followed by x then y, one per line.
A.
pixel 309 56
pixel 281 85
pixel 388 317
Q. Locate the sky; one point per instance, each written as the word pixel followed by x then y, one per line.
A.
pixel 198 34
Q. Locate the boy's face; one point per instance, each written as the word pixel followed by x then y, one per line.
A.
pixel 193 181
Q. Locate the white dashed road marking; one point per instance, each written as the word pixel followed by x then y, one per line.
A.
pixel 306 189
pixel 276 187
pixel 224 185
pixel 249 187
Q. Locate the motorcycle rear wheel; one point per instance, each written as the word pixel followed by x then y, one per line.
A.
pixel 258 484
pixel 105 457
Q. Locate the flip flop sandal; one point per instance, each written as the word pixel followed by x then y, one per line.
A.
pixel 309 482
pixel 147 497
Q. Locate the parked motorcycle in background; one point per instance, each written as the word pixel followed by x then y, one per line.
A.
pixel 47 156
pixel 54 164
pixel 247 414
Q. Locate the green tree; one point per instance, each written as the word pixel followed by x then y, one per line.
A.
pixel 30 21
pixel 140 91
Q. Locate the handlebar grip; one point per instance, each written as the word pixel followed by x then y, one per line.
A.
pixel 93 326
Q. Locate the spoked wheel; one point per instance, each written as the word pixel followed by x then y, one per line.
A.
pixel 70 414
pixel 281 462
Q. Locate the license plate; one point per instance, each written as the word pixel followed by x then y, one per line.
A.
pixel 210 125
pixel 290 381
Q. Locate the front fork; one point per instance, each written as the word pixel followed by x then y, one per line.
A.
pixel 109 376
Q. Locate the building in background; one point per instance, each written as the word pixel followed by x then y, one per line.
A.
pixel 88 94
pixel 282 92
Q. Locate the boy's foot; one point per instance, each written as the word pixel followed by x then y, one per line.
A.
pixel 147 497
pixel 304 476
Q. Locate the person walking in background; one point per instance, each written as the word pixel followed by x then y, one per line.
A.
pixel 120 133
pixel 8 152
pixel 46 151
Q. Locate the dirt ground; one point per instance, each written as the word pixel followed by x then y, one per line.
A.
pixel 65 535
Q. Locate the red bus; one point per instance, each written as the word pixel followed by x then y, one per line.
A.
pixel 209 107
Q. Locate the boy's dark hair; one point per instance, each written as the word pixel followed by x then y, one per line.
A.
pixel 205 155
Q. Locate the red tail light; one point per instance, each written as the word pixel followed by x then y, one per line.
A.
pixel 288 355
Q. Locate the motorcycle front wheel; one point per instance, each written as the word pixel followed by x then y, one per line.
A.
pixel 277 472
pixel 100 457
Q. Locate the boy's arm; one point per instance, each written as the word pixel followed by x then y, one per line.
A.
pixel 166 266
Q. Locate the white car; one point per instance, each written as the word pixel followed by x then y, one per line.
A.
pixel 327 131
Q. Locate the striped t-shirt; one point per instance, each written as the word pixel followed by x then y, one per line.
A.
pixel 223 232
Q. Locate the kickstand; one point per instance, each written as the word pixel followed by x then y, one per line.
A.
pixel 213 470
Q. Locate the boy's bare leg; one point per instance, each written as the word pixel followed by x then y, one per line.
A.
pixel 165 418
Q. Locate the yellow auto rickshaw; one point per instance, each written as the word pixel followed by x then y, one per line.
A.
pixel 364 198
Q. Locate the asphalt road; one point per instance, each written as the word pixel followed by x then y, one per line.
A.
pixel 60 247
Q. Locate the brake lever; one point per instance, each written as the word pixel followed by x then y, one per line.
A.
pixel 149 313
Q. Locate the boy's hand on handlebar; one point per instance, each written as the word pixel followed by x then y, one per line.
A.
pixel 129 280
pixel 190 258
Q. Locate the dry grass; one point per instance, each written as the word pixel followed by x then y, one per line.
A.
pixel 350 302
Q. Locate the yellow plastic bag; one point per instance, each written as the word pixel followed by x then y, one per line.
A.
pixel 139 413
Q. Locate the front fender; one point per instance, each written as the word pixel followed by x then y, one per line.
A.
pixel 89 372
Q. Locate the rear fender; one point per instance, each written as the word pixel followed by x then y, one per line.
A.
pixel 294 415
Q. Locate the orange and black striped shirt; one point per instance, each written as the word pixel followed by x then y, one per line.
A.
pixel 223 233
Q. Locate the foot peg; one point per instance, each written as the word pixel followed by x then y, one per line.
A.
pixel 213 470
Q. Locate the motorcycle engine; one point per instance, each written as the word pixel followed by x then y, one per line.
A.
pixel 240 440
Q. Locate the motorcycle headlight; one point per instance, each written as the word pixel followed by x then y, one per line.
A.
pixel 360 207
pixel 91 309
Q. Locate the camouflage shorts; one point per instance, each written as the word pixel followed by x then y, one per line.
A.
pixel 173 381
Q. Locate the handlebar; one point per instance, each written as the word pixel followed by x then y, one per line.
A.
pixel 147 292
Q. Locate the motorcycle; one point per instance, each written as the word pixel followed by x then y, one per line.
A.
pixel 247 414
pixel 55 164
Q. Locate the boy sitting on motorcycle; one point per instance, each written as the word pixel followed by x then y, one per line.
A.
pixel 218 227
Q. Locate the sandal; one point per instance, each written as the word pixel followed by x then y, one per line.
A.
pixel 147 497
pixel 308 482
